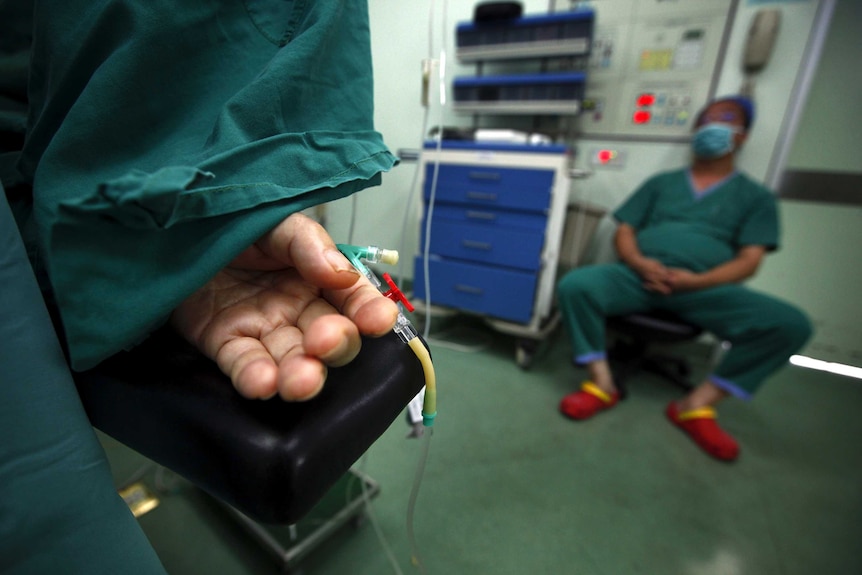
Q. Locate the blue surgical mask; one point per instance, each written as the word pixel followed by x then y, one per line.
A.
pixel 713 140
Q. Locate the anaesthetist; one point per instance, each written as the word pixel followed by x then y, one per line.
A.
pixel 686 241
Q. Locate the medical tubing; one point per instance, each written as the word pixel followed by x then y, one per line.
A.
pixel 405 330
pixel 354 207
pixel 422 135
pixel 413 191
pixel 374 255
pixel 429 406
pixel 355 254
pixel 369 511
pixel 433 196
pixel 426 254
pixel 411 505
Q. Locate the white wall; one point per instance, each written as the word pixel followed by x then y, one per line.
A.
pixel 828 136
pixel 818 268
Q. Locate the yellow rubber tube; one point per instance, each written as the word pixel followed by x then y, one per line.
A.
pixel 429 406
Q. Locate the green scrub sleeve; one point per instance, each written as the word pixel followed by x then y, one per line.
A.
pixel 635 210
pixel 762 226
pixel 164 138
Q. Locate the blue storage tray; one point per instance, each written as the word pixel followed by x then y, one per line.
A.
pixel 502 220
pixel 567 33
pixel 495 292
pixel 558 88
pixel 514 188
pixel 472 146
pixel 493 245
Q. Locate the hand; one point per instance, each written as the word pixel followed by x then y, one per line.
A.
pixel 683 280
pixel 285 309
pixel 655 275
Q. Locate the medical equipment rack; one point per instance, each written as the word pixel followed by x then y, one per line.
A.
pixel 568 33
pixel 560 93
pixel 500 208
pixel 564 35
pixel 496 228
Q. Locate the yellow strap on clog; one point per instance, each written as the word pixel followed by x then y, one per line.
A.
pixel 596 391
pixel 700 413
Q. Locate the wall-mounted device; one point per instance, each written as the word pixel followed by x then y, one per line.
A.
pixel 653 64
pixel 759 44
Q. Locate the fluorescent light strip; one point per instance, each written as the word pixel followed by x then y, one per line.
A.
pixel 831 367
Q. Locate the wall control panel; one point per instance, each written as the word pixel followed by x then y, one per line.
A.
pixel 654 63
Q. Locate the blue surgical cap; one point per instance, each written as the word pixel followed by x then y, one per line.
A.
pixel 744 102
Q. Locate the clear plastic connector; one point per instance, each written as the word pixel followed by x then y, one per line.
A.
pixel 377 255
pixel 404 328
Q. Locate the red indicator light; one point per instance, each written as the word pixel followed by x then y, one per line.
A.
pixel 605 156
pixel 641 117
pixel 646 100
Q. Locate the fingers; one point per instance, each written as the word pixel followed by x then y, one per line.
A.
pixel 292 361
pixel 288 354
pixel 363 304
pixel 327 340
pixel 296 377
pixel 657 286
pixel 300 377
pixel 657 275
pixel 302 243
pixel 250 366
pixel 375 317
pixel 328 336
pixel 278 364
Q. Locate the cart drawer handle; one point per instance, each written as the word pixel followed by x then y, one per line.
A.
pixel 482 196
pixel 469 289
pixel 477 245
pixel 492 176
pixel 473 215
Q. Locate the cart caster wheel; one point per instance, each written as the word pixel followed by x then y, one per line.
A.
pixel 524 352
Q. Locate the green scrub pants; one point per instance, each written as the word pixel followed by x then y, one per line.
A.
pixel 763 331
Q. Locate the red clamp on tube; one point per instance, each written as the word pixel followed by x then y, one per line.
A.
pixel 396 294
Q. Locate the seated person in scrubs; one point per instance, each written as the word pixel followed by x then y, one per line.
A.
pixel 686 241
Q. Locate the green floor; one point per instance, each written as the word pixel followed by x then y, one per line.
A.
pixel 512 487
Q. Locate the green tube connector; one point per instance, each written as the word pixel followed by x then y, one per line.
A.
pixel 371 254
pixel 429 407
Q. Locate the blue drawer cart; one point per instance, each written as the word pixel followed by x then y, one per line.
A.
pixel 496 226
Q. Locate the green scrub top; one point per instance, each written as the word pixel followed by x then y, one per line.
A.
pixel 698 231
pixel 164 138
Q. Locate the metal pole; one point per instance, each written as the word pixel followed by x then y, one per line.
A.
pixel 804 79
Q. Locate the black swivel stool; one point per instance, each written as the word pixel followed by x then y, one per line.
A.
pixel 638 331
